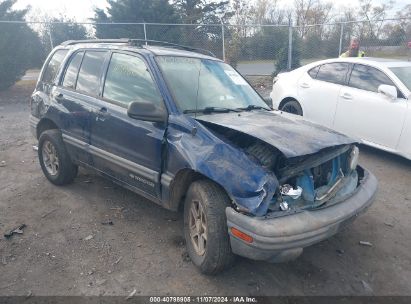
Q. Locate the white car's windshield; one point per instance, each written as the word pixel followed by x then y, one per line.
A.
pixel 199 84
pixel 404 74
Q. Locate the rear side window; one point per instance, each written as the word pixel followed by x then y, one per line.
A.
pixel 313 72
pixel 72 71
pixel 368 78
pixel 88 80
pixel 128 79
pixel 333 72
pixel 53 66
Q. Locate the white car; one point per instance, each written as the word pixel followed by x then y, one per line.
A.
pixel 366 98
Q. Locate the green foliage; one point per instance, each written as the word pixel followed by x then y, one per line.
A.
pixel 204 12
pixel 61 32
pixel 162 11
pixel 20 47
pixel 281 58
pixel 137 11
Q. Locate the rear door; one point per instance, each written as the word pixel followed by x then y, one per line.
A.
pixel 78 96
pixel 364 113
pixel 127 149
pixel 318 90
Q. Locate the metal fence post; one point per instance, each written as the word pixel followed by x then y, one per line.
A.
pixel 50 36
pixel 290 44
pixel 341 39
pixel 145 32
pixel 223 38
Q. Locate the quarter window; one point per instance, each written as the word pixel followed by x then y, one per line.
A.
pixel 72 71
pixel 128 79
pixel 333 72
pixel 89 76
pixel 313 72
pixel 53 66
pixel 367 78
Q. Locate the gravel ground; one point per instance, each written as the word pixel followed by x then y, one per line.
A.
pixel 66 250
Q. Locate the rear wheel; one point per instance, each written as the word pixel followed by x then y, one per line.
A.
pixel 292 106
pixel 205 227
pixel 54 158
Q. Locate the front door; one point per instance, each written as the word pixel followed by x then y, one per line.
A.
pixel 76 95
pixel 128 149
pixel 364 113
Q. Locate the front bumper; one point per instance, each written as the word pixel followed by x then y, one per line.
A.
pixel 283 238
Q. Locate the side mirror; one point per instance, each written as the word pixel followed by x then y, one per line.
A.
pixel 269 102
pixel 388 90
pixel 146 111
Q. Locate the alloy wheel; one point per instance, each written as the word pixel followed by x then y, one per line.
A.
pixel 50 158
pixel 198 227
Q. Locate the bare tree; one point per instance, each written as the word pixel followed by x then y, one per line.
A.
pixel 311 12
pixel 373 15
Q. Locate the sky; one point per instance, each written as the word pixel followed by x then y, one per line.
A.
pixel 82 10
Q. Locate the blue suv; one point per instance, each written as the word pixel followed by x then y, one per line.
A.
pixel 185 130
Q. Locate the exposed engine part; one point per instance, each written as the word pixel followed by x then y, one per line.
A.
pixel 288 190
pixel 297 165
pixel 353 158
pixel 284 206
pixel 264 153
pixel 329 192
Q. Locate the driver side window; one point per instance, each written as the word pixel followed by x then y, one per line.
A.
pixel 368 78
pixel 128 79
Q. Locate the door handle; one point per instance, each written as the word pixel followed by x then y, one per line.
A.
pixel 305 85
pixel 346 96
pixel 102 114
pixel 59 97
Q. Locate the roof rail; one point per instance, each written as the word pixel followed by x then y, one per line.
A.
pixel 173 45
pixel 72 42
pixel 141 42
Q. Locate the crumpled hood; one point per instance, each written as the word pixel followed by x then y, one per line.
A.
pixel 290 134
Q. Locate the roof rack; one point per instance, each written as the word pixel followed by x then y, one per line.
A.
pixel 173 45
pixel 141 42
pixel 72 42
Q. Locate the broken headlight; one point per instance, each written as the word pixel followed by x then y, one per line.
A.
pixel 353 158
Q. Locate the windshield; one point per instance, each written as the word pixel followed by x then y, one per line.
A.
pixel 404 74
pixel 207 84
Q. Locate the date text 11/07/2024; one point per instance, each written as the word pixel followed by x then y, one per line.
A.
pixel 203 299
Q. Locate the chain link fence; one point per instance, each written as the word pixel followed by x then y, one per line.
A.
pixel 255 49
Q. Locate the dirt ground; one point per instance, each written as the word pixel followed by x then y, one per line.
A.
pixel 66 250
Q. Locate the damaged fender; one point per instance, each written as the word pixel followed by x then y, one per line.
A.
pixel 191 145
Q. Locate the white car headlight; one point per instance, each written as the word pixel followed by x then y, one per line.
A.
pixel 353 158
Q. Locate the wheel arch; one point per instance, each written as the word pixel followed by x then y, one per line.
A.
pixel 44 125
pixel 180 184
pixel 286 99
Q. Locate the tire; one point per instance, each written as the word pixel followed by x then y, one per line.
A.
pixel 213 200
pixel 293 107
pixel 54 158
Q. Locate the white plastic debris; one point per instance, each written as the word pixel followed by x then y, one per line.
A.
pixel 288 190
pixel 87 238
pixel 131 294
pixel 363 243
pixel 284 206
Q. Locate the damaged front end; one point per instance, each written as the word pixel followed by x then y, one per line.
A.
pixel 303 182
pixel 316 180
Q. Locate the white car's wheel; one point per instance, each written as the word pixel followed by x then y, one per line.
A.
pixel 292 106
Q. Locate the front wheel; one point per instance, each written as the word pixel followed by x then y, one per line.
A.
pixel 293 107
pixel 205 227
